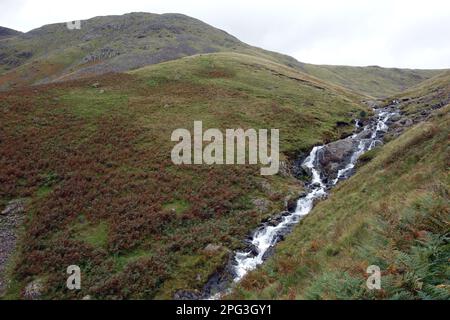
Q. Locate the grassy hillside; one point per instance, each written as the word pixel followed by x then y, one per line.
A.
pixel 394 213
pixel 106 44
pixel 111 44
pixel 92 159
pixel 127 42
pixel 428 95
pixel 372 81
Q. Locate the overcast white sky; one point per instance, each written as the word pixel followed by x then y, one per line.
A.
pixel 389 33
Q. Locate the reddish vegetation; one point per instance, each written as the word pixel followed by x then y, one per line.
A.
pixel 38 70
pixel 103 175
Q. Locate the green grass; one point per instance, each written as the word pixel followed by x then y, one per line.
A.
pixel 392 213
pixel 372 81
pixel 259 94
pixel 59 53
pixel 178 206
pixel 94 235
pixel 106 193
pixel 92 103
pixel 107 197
pixel 432 92
pixel 121 261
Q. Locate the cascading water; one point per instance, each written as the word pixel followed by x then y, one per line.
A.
pixel 267 235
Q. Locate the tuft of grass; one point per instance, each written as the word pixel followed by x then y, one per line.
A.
pixel 94 235
pixel 177 206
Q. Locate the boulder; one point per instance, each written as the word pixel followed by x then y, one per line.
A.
pixel 395 118
pixel 334 155
pixel 365 134
pixel 291 204
pixel 372 104
pixel 33 291
pixel 212 247
pixel 14 207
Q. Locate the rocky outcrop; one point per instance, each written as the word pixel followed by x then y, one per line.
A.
pixel 187 295
pixel 8 33
pixel 101 54
pixel 10 219
pixel 399 123
pixel 33 291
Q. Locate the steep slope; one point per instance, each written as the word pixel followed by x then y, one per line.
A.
pixel 431 94
pixel 92 159
pixel 393 213
pixel 373 80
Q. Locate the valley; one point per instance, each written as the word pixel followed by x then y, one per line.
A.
pixel 85 150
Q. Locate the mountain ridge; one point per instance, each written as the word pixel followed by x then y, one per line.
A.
pixel 122 43
pixel 8 33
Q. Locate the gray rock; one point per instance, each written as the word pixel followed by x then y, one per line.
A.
pixel 187 295
pixel 10 220
pixel 408 123
pixel 13 207
pixel 284 169
pixel 261 205
pixel 291 204
pixel 265 186
pixel 365 134
pixel 372 104
pixel 334 155
pixel 33 291
pixel 395 118
pixel 212 247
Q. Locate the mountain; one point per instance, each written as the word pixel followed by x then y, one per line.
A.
pixel 373 80
pixel 109 44
pixel 127 42
pixel 8 33
pixel 92 163
pixel 87 177
pixel 106 44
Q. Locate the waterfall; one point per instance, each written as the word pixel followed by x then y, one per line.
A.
pixel 267 235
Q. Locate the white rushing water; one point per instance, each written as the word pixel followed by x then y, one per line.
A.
pixel 267 236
